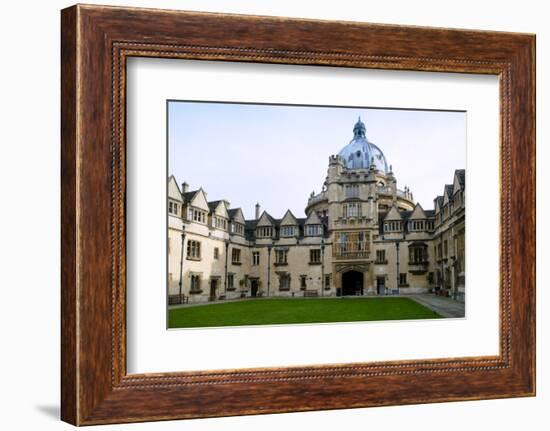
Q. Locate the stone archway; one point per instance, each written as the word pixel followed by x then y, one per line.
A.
pixel 352 283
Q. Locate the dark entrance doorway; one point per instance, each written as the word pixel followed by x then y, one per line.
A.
pixel 352 283
pixel 381 285
pixel 253 288
pixel 213 287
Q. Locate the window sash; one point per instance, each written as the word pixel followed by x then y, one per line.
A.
pixel 236 255
pixel 255 258
pixel 315 256
pixel 352 190
pixel 287 231
pixel 352 210
pixel 313 230
pixel 264 232
pixel 193 249
pixel 281 256
pixel 418 254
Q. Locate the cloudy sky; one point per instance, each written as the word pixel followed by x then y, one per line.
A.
pixel 277 155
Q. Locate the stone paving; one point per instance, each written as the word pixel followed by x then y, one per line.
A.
pixel 446 307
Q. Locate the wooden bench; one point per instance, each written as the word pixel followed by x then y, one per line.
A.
pixel 310 293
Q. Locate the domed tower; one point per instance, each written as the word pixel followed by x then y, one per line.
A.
pixel 363 164
pixel 360 153
pixel 358 191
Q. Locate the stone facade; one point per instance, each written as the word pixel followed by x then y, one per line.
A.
pixel 362 235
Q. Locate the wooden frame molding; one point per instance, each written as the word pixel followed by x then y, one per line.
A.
pixel 95 43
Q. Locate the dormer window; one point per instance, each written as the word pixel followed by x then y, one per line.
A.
pixel 392 226
pixel 197 215
pixel 237 228
pixel 219 222
pixel 264 232
pixel 416 225
pixel 288 231
pixel 313 230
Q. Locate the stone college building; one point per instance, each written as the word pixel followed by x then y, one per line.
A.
pixel 362 235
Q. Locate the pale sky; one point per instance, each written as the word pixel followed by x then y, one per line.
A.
pixel 277 155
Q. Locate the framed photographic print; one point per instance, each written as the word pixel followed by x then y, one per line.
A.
pixel 268 215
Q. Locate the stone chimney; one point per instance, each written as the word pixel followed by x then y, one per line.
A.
pixel 257 211
pixel 184 187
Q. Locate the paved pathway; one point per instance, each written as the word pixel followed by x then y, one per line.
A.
pixel 446 307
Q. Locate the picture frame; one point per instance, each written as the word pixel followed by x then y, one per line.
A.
pixel 96 41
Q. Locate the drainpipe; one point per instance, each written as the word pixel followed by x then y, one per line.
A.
pixel 268 269
pixel 322 267
pixel 442 286
pixel 181 262
pixel 225 269
pixel 397 251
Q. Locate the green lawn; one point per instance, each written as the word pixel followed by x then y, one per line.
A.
pixel 308 310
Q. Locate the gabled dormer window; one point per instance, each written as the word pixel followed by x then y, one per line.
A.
pixel 392 226
pixel 288 231
pixel 416 225
pixel 237 228
pixel 264 232
pixel 313 230
pixel 197 215
pixel 219 222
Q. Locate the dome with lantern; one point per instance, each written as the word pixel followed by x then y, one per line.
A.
pixel 360 153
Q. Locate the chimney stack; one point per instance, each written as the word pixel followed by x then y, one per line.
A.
pixel 184 187
pixel 257 211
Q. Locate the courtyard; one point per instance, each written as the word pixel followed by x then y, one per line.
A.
pixel 278 311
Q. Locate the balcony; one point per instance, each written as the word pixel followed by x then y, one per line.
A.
pixel 351 221
pixel 418 267
pixel 317 198
pixel 350 250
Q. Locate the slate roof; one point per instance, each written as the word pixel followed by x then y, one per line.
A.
pixel 233 212
pixel 213 205
pixel 189 196
pixel 250 226
pixel 405 215
pixel 273 221
pixel 461 174
pixel 448 190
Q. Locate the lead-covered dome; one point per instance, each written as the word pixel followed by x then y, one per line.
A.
pixel 360 153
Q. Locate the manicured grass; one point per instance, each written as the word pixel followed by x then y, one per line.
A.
pixel 287 311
